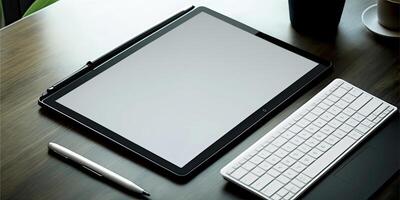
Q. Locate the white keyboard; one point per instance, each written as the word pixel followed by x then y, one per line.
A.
pixel 298 151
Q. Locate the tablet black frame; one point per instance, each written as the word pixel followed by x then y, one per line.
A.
pixel 240 129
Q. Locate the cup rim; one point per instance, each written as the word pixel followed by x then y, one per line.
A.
pixel 393 1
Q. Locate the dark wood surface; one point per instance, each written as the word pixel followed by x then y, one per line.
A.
pixel 39 50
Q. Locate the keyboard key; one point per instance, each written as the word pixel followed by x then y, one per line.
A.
pixel 355 92
pixel 339 133
pixel 317 111
pixel 328 102
pixel 323 146
pixel 358 117
pixel 310 117
pixel 304 134
pixel 342 117
pixel 297 183
pixel 248 156
pixel 352 122
pixel 369 107
pixel 230 170
pixel 296 154
pixel 341 104
pixel 349 111
pixel 268 139
pixel 273 187
pixel 287 135
pixel 327 116
pixel 289 147
pixel 261 182
pixel 265 165
pixel 335 123
pixel 346 128
pixel 315 153
pixel 279 141
pixel 362 128
pixel 288 161
pixel 329 156
pixel 238 173
pixel 271 148
pixel 319 122
pixel 312 128
pixel 282 192
pixel 281 153
pixel 324 106
pixel 367 123
pixel 320 136
pixel 311 142
pixel 334 110
pixel 355 135
pixel 288 196
pixel 276 197
pixel 327 129
pixel 291 187
pixel 303 123
pixel 295 129
pixel 248 165
pixel 242 161
pixel 347 87
pixel 304 148
pixel 283 179
pixel 380 109
pixel 280 167
pixel 303 178
pixel 333 98
pixel 371 117
pixel 256 160
pixel 307 160
pixel 275 134
pixel 258 148
pixel 248 178
pixel 273 172
pixel 273 159
pixel 258 171
pixel 360 101
pixel 339 92
pixel 331 140
pixel 290 122
pixel 263 154
pixel 297 140
pixel 298 167
pixel 290 173
pixel 253 152
pixel 348 98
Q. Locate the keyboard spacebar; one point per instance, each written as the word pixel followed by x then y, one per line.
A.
pixel 322 162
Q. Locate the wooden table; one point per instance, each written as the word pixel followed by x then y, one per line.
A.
pixel 42 49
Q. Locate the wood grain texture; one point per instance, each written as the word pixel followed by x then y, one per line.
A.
pixel 41 49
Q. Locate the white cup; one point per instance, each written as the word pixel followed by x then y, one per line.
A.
pixel 389 14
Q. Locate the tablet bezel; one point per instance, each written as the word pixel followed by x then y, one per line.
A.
pixel 228 137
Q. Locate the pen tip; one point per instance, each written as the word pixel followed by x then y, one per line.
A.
pixel 146 193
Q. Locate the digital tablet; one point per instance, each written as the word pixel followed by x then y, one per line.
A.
pixel 185 92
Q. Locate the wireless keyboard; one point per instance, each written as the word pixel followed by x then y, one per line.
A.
pixel 297 152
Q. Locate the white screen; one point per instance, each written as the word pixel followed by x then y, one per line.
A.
pixel 182 92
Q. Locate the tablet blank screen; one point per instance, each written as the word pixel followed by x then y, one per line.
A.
pixel 182 92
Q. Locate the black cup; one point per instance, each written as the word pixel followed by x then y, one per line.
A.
pixel 316 16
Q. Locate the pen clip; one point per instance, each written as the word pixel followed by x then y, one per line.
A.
pixel 97 173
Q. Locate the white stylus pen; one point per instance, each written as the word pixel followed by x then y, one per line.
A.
pixel 96 168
